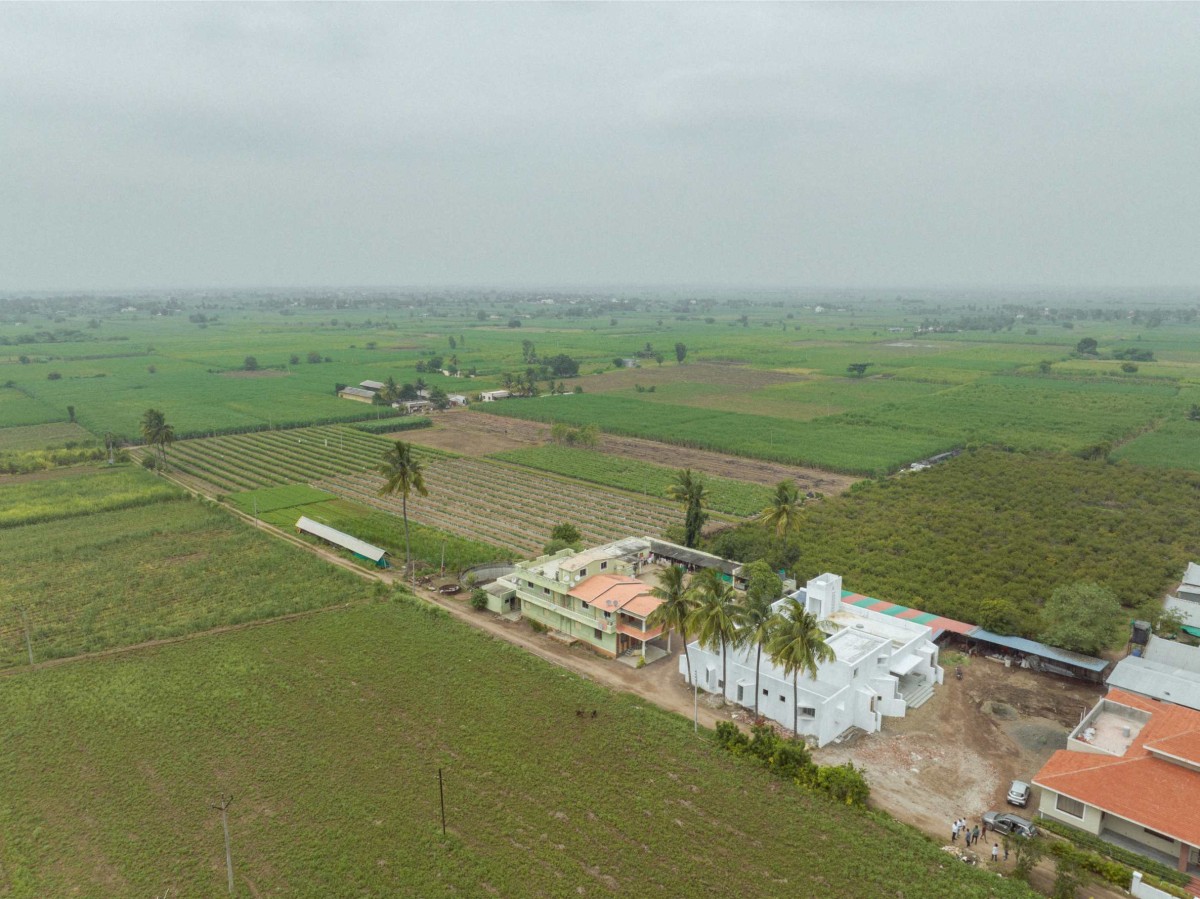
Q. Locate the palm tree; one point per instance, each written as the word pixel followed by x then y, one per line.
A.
pixel 403 474
pixel 689 489
pixel 677 604
pixel 797 644
pixel 783 515
pixel 714 619
pixel 156 432
pixel 756 621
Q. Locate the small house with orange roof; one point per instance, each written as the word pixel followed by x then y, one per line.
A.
pixel 1131 774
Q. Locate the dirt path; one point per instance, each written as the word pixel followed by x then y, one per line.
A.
pixel 478 434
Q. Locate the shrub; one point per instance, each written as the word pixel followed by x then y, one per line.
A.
pixel 1103 847
pixel 479 599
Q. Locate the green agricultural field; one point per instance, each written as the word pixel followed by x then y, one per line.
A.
pixel 994 525
pixel 329 732
pixel 725 494
pixel 17 408
pixel 37 437
pixel 831 443
pixel 1174 444
pixel 430 546
pixel 111 578
pixel 69 493
pixel 272 499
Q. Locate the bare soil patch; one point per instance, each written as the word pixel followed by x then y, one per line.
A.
pixel 513 433
pixel 956 755
pixel 464 441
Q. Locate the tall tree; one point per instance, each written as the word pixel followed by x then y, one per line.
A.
pixel 714 620
pixel 783 515
pixel 756 619
pixel 403 473
pixel 797 644
pixel 690 490
pixel 677 604
pixel 156 432
pixel 1082 618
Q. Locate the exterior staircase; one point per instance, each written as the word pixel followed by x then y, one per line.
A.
pixel 917 695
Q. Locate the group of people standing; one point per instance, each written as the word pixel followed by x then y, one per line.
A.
pixel 971 837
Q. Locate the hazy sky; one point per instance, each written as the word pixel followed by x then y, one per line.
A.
pixel 798 144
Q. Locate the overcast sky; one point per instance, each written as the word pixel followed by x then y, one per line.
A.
pixel 487 144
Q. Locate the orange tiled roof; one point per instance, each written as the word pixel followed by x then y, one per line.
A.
pixel 642 605
pixel 1137 786
pixel 592 588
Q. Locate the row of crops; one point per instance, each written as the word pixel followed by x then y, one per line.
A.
pixel 508 507
pixel 505 506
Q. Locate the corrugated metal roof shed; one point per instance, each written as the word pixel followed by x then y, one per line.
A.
pixel 1041 650
pixel 696 557
pixel 1157 681
pixel 336 537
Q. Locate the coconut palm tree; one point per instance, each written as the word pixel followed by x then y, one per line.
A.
pixel 677 604
pixel 783 515
pixel 714 620
pixel 756 620
pixel 403 473
pixel 690 490
pixel 156 432
pixel 797 644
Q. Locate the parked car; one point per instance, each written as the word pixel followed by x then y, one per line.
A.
pixel 1018 793
pixel 1002 822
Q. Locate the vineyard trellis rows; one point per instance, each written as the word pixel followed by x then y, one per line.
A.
pixel 506 506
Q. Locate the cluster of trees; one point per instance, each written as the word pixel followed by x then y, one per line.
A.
pixel 993 536
pixel 563 536
pixel 791 759
pixel 586 436
pixel 1089 347
pixel 710 609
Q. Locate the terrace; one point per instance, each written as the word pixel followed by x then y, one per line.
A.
pixel 1110 729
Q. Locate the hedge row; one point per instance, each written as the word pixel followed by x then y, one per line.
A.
pixel 1125 856
pixel 388 425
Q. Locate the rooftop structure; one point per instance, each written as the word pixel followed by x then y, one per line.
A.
pixel 338 538
pixel 1168 671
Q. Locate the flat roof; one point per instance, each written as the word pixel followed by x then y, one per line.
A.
pixel 851 645
pixel 903 613
pixel 333 535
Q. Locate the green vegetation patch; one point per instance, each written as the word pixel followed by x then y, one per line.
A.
pixel 109 579
pixel 18 408
pixel 430 546
pixel 725 494
pixel 329 732
pixel 836 444
pixel 992 525
pixel 76 492
pixel 1174 444
pixel 36 437
pixel 269 499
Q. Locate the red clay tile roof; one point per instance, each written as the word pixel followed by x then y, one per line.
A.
pixel 642 605
pixel 1137 786
pixel 610 592
pixel 624 628
pixel 592 588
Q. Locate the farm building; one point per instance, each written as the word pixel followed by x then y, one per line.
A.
pixel 357 393
pixel 490 396
pixel 883 666
pixel 457 399
pixel 1166 671
pixel 411 406
pixel 360 548
pixel 373 386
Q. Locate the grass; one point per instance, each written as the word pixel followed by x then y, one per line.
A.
pixel 1174 444
pixel 18 409
pixel 725 494
pixel 112 578
pixel 110 767
pixel 70 493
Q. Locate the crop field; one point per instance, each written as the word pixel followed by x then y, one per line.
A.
pixel 1174 444
pixel 329 732
pixel 482 501
pixel 35 437
pixel 831 443
pixel 69 493
pixel 282 506
pixel 995 525
pixel 17 409
pixel 111 578
pixel 511 507
pixel 738 498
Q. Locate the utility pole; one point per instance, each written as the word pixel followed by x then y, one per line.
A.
pixel 223 808
pixel 443 571
pixel 256 511
pixel 696 713
pixel 442 800
pixel 28 642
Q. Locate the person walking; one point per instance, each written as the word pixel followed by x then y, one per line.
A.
pixel 954 831
pixel 975 835
pixel 995 853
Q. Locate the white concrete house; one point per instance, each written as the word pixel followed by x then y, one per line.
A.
pixel 883 666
